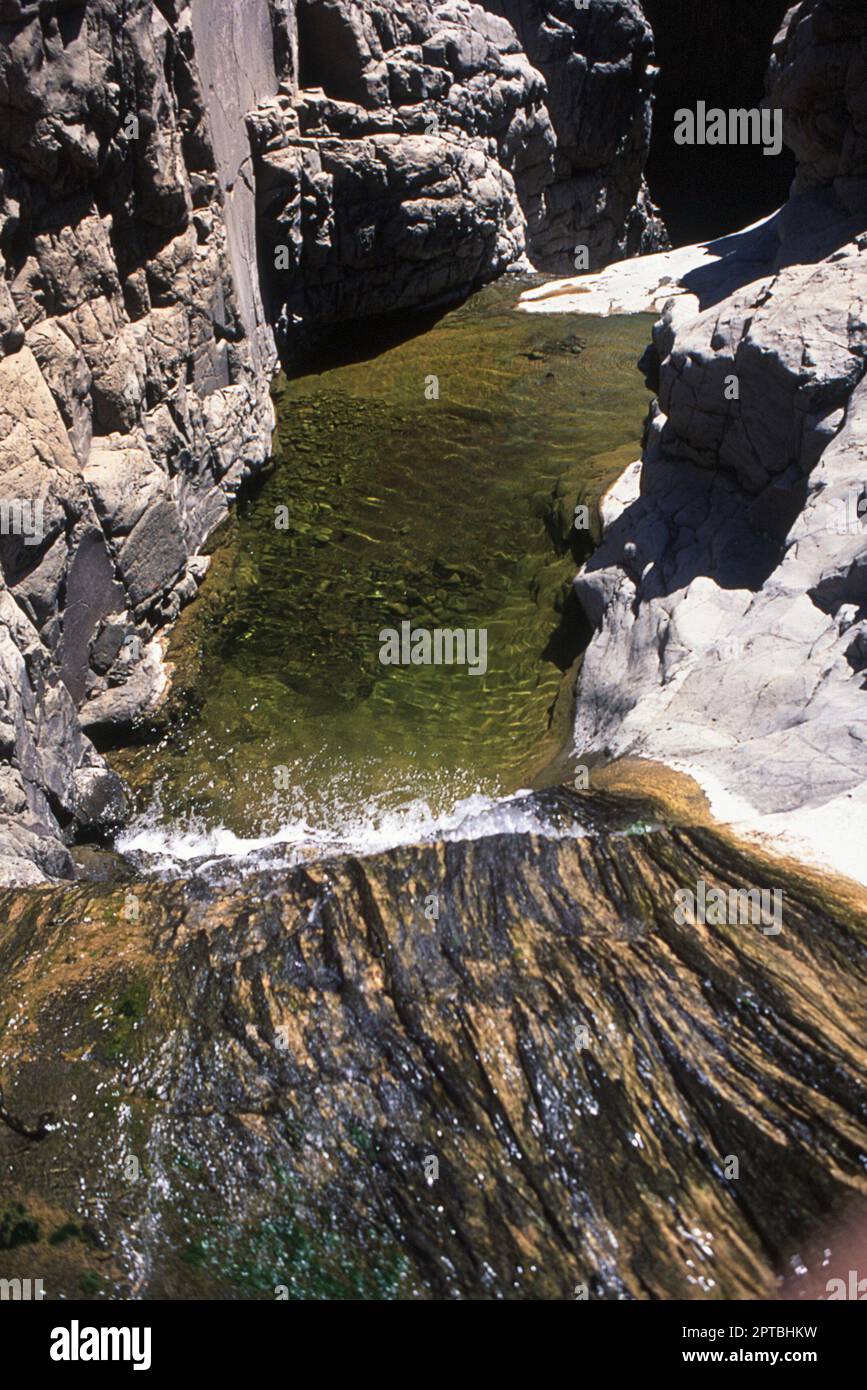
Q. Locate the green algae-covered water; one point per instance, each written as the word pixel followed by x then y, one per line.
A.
pixel 432 483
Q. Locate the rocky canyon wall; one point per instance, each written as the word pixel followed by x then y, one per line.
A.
pixel 429 147
pixel 399 153
pixel 133 381
pixel 729 591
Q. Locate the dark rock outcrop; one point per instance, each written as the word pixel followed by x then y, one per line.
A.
pixel 819 76
pixel 430 146
pixel 318 1085
pixel 597 62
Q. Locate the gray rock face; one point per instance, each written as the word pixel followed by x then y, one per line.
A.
pixel 730 588
pixel 429 147
pixel 597 62
pixel 134 366
pixel 819 76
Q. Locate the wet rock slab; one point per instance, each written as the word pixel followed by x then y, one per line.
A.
pixel 497 1069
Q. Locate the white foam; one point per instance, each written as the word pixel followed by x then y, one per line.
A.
pixel 369 829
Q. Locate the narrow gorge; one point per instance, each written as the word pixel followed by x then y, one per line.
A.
pixel 336 335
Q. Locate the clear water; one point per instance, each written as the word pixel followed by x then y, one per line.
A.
pixel 451 512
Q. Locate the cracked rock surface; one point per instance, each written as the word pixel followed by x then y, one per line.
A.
pixel 133 389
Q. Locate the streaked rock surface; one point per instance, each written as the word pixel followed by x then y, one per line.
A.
pixel 238 1089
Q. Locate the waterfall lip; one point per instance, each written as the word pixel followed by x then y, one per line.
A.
pixel 158 849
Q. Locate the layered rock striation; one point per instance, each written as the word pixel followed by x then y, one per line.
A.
pixel 311 1087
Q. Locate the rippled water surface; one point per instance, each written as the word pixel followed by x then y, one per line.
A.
pixel 435 483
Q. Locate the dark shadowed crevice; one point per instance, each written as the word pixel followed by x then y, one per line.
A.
pixel 716 51
pixel 328 52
